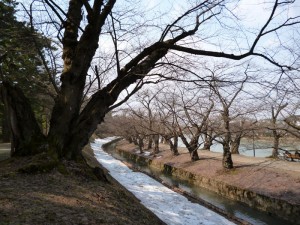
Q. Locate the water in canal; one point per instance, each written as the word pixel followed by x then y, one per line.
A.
pixel 232 207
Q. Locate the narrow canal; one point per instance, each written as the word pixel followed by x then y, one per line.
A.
pixel 233 208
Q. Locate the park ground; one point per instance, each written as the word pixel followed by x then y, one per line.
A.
pixel 69 194
pixel 73 195
pixel 274 178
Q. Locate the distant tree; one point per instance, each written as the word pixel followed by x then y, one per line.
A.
pixel 226 93
pixel 277 104
pixel 169 128
pixel 190 112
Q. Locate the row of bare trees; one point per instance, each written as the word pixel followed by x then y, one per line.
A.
pixel 221 111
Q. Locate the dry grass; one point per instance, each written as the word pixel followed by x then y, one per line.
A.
pixel 72 196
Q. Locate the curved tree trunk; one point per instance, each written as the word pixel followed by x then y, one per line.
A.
pixel 192 147
pixel 27 137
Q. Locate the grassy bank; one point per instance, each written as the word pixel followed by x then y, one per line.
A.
pixel 68 194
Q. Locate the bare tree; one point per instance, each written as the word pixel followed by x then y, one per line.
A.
pixel 169 130
pixel 190 112
pixel 226 99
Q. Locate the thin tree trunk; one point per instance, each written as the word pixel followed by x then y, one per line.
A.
pixel 207 142
pixel 162 140
pixel 175 146
pixel 135 141
pixel 150 141
pixel 141 144
pixel 207 139
pixel 156 143
pixel 275 144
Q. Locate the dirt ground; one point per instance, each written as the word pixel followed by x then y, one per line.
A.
pixel 71 196
pixel 275 178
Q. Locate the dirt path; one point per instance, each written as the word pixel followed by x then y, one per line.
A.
pixel 274 178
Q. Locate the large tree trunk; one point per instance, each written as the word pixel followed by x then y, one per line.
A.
pixel 71 126
pixel 69 129
pixel 27 137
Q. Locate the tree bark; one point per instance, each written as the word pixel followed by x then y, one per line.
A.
pixel 207 142
pixel 227 160
pixel 192 147
pixel 235 144
pixel 275 144
pixel 156 143
pixel 175 146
